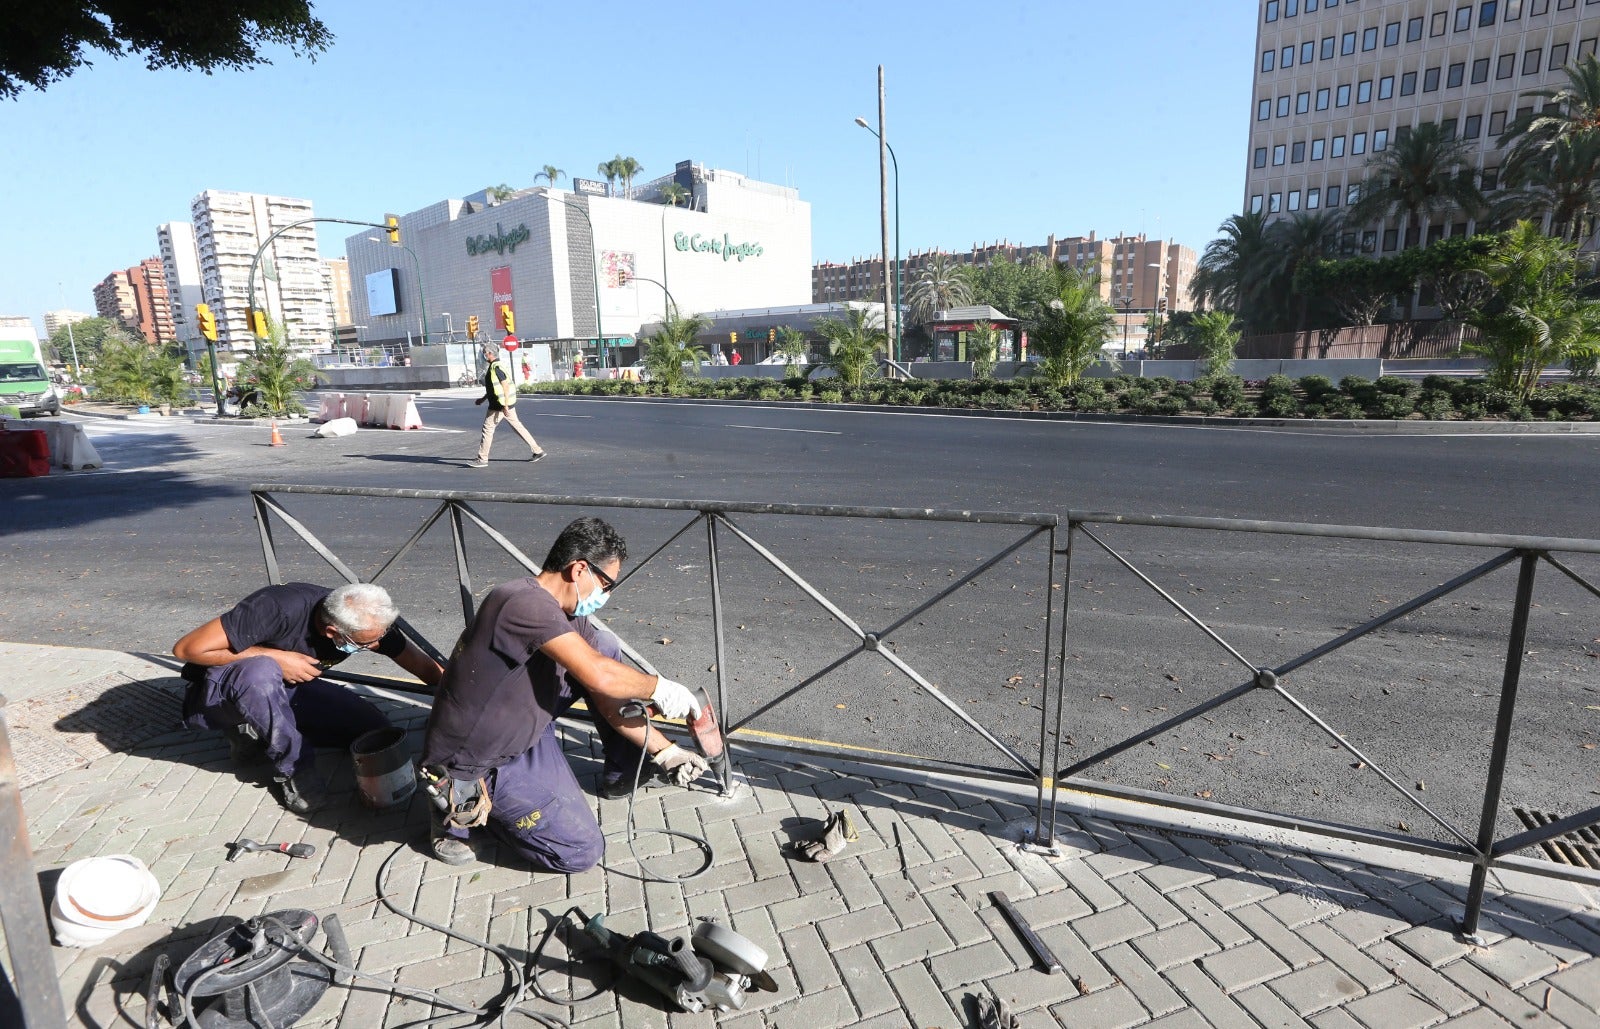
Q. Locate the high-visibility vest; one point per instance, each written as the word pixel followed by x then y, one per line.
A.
pixel 499 387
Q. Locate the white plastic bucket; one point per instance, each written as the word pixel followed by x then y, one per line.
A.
pixel 96 898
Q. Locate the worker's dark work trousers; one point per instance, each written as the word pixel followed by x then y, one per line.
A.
pixel 290 720
pixel 537 806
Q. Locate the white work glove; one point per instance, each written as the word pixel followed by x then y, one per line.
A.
pixel 683 766
pixel 674 699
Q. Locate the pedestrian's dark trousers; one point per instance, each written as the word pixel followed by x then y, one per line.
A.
pixel 537 806
pixel 290 720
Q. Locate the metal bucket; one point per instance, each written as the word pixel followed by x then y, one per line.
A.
pixel 384 773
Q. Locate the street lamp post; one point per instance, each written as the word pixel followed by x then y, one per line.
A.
pixel 594 247
pixel 898 335
pixel 422 300
pixel 1161 299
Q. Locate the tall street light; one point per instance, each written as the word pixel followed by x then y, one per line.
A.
pixel 1161 299
pixel 422 300
pixel 594 248
pixel 885 143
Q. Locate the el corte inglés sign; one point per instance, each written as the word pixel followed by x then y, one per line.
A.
pixel 725 246
pixel 498 243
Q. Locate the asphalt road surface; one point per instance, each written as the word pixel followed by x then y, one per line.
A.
pixel 133 556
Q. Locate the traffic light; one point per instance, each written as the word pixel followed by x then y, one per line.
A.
pixel 207 320
pixel 733 337
pixel 472 327
pixel 622 276
pixel 772 335
pixel 258 322
pixel 508 318
pixel 393 228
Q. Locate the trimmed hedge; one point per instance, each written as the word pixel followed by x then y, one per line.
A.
pixel 1435 398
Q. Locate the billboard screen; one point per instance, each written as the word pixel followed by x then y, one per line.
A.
pixel 383 292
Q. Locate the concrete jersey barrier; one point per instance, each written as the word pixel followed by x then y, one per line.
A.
pixel 70 448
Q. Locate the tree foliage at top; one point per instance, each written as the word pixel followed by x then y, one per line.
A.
pixel 1020 291
pixel 41 44
pixel 87 336
pixel 939 286
pixel 129 369
pixel 1568 113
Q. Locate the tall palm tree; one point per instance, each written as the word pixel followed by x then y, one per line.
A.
pixel 611 170
pixel 1572 110
pixel 1428 172
pixel 627 168
pixel 940 285
pixel 1296 241
pixel 549 173
pixel 1564 183
pixel 674 193
pixel 1231 273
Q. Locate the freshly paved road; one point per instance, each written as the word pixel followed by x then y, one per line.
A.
pixel 132 557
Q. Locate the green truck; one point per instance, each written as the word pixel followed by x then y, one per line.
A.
pixel 24 383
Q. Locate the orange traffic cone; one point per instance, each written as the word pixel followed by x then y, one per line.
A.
pixel 277 437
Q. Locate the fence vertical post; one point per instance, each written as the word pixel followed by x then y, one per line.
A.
pixel 1046 769
pixel 463 570
pixel 716 634
pixel 33 963
pixel 1516 642
pixel 1061 677
pixel 269 550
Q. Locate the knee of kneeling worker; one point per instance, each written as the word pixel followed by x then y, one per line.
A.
pixel 572 856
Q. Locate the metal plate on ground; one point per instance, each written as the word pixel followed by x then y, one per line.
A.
pixel 70 728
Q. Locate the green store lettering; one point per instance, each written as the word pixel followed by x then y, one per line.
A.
pixel 500 242
pixel 729 250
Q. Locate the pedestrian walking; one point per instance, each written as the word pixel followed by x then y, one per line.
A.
pixel 500 393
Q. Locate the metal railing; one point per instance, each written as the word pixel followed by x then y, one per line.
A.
pixel 719 519
pixel 1478 846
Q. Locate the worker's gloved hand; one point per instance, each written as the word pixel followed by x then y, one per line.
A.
pixel 683 766
pixel 674 699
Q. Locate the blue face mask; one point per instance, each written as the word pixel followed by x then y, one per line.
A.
pixel 347 647
pixel 592 603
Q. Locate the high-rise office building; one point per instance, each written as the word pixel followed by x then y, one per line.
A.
pixel 229 229
pixel 54 320
pixel 1338 82
pixel 336 282
pixel 181 265
pixel 137 297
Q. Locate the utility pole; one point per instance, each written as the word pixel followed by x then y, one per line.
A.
pixel 890 315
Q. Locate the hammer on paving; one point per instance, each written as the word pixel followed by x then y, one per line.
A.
pixel 294 850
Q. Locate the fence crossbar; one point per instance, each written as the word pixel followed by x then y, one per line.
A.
pixel 512 550
pixel 1548 831
pixel 1361 755
pixel 870 641
pixel 1169 598
pixel 969 577
pixel 1574 576
pixel 1495 541
pixel 1394 614
pixel 1156 730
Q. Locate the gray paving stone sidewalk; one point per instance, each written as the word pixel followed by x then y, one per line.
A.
pixel 1155 927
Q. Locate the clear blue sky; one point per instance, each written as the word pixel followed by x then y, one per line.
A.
pixel 1013 119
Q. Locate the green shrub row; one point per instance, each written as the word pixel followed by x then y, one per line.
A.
pixel 1435 398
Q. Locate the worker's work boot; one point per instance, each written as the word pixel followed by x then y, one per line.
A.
pixel 298 793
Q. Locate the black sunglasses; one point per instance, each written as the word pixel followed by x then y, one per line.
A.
pixel 607 583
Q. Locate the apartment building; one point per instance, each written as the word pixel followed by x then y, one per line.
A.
pixel 54 320
pixel 137 298
pixel 1136 273
pixel 336 283
pixel 180 263
pixel 229 228
pixel 1339 82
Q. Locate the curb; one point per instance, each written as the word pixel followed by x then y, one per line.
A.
pixel 1350 426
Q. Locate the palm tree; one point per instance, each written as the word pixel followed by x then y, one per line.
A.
pixel 940 285
pixel 1428 172
pixel 1538 315
pixel 791 344
pixel 627 168
pixel 1295 242
pixel 670 349
pixel 1213 333
pixel 854 342
pixel 549 173
pixel 611 170
pixel 1563 183
pixel 1231 273
pixel 1074 327
pixel 498 193
pixel 983 346
pixel 277 373
pixel 1569 112
pixel 674 193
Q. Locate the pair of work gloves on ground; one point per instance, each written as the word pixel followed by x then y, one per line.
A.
pixel 675 700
